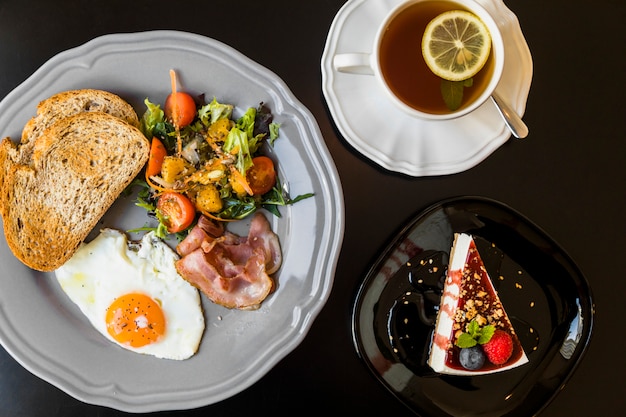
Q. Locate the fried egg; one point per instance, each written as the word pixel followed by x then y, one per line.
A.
pixel 132 294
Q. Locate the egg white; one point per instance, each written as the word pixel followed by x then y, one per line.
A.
pixel 110 266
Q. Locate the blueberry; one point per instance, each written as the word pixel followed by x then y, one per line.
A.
pixel 472 358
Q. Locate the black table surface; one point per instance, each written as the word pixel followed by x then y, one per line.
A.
pixel 568 176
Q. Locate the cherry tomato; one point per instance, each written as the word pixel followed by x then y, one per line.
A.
pixel 155 160
pixel 177 210
pixel 180 108
pixel 261 176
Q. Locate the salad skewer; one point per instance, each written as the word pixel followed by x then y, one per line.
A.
pixel 203 161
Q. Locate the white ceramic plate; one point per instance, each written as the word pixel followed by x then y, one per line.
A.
pixel 396 141
pixel 47 334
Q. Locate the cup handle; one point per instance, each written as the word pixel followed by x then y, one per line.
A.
pixel 353 63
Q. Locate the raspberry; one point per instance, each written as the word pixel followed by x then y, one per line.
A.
pixel 499 348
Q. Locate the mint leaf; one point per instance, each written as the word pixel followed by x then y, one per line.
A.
pixel 473 329
pixel 465 341
pixel 452 92
pixel 474 335
pixel 486 334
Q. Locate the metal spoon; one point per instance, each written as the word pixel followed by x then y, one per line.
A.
pixel 515 124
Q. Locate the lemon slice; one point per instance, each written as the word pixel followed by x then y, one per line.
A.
pixel 456 45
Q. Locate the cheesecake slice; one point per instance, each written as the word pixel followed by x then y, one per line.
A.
pixel 473 334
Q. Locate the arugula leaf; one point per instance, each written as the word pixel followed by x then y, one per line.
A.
pixel 276 197
pixel 237 208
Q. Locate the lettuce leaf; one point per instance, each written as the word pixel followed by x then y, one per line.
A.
pixel 246 122
pixel 214 111
pixel 237 141
pixel 153 120
pixel 274 132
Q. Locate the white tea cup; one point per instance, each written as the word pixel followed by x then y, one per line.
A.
pixel 396 60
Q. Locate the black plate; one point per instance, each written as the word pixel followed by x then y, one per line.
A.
pixel 545 294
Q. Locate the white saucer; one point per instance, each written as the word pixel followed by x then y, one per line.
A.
pixel 398 142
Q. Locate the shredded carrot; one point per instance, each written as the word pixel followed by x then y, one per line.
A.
pixel 154 185
pixel 179 141
pixel 219 219
pixel 162 189
pixel 241 180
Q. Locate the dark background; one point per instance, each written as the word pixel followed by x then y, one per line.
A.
pixel 568 176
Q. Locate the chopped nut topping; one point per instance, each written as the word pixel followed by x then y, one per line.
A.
pixel 478 305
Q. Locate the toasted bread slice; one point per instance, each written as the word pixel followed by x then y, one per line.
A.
pixel 9 155
pixel 53 109
pixel 79 166
pixel 68 103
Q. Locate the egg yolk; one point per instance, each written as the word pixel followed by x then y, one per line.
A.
pixel 135 320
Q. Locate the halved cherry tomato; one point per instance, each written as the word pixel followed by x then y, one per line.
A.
pixel 261 176
pixel 180 108
pixel 177 210
pixel 155 160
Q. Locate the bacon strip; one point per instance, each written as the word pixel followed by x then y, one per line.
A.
pixel 205 230
pixel 261 236
pixel 230 270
